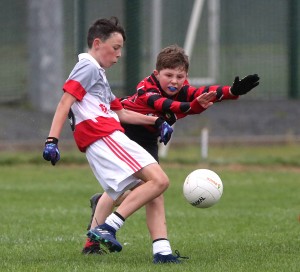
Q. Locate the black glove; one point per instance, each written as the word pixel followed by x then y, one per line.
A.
pixel 243 86
pixel 165 130
pixel 51 152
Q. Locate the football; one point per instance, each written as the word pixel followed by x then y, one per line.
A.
pixel 203 188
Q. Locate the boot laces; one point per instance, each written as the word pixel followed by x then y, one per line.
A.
pixel 178 256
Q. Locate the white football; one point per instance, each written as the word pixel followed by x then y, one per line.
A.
pixel 203 188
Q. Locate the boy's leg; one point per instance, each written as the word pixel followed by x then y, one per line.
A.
pixel 102 206
pixel 156 182
pixel 93 204
pixel 156 219
pixel 156 222
pixel 103 209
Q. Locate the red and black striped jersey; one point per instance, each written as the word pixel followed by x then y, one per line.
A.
pixel 150 99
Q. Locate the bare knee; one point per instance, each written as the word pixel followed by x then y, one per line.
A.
pixel 162 181
pixel 156 175
pixel 159 178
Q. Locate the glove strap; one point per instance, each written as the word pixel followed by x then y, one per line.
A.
pixel 51 140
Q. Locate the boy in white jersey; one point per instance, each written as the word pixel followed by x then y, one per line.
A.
pixel 118 163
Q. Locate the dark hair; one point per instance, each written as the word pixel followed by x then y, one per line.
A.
pixel 103 28
pixel 172 57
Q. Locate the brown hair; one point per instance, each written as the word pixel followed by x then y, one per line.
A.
pixel 103 28
pixel 172 57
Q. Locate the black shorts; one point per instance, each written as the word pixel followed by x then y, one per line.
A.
pixel 144 138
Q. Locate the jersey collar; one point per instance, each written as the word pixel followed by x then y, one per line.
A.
pixel 90 58
pixel 156 82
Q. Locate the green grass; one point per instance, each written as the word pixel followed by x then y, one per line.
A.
pixel 255 155
pixel 255 226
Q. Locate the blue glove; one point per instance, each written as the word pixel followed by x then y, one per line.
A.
pixel 165 130
pixel 51 152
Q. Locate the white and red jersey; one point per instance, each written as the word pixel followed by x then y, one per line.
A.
pixel 93 112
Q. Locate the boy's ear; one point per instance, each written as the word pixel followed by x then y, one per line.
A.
pixel 155 72
pixel 97 42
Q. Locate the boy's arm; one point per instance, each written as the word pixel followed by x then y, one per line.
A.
pixel 135 118
pixel 61 114
pixel 51 151
pixel 239 87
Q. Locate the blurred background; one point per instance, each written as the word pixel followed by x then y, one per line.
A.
pixel 40 41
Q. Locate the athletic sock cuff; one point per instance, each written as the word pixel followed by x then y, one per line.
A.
pixel 119 215
pixel 159 239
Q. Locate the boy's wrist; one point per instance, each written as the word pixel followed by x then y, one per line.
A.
pixel 158 122
pixel 51 140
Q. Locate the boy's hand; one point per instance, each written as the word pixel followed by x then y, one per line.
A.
pixel 51 151
pixel 165 130
pixel 205 99
pixel 202 102
pixel 243 86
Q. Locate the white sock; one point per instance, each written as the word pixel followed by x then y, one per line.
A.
pixel 162 247
pixel 114 221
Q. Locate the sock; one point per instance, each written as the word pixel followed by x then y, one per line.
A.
pixel 162 246
pixel 89 243
pixel 115 220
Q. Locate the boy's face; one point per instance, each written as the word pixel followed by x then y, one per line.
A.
pixel 171 80
pixel 109 51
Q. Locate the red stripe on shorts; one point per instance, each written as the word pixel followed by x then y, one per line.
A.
pixel 121 153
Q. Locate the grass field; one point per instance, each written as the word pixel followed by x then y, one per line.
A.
pixel 254 227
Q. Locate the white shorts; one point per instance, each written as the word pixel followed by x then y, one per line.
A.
pixel 114 159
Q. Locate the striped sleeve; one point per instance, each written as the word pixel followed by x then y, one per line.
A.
pixel 222 92
pixel 163 104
